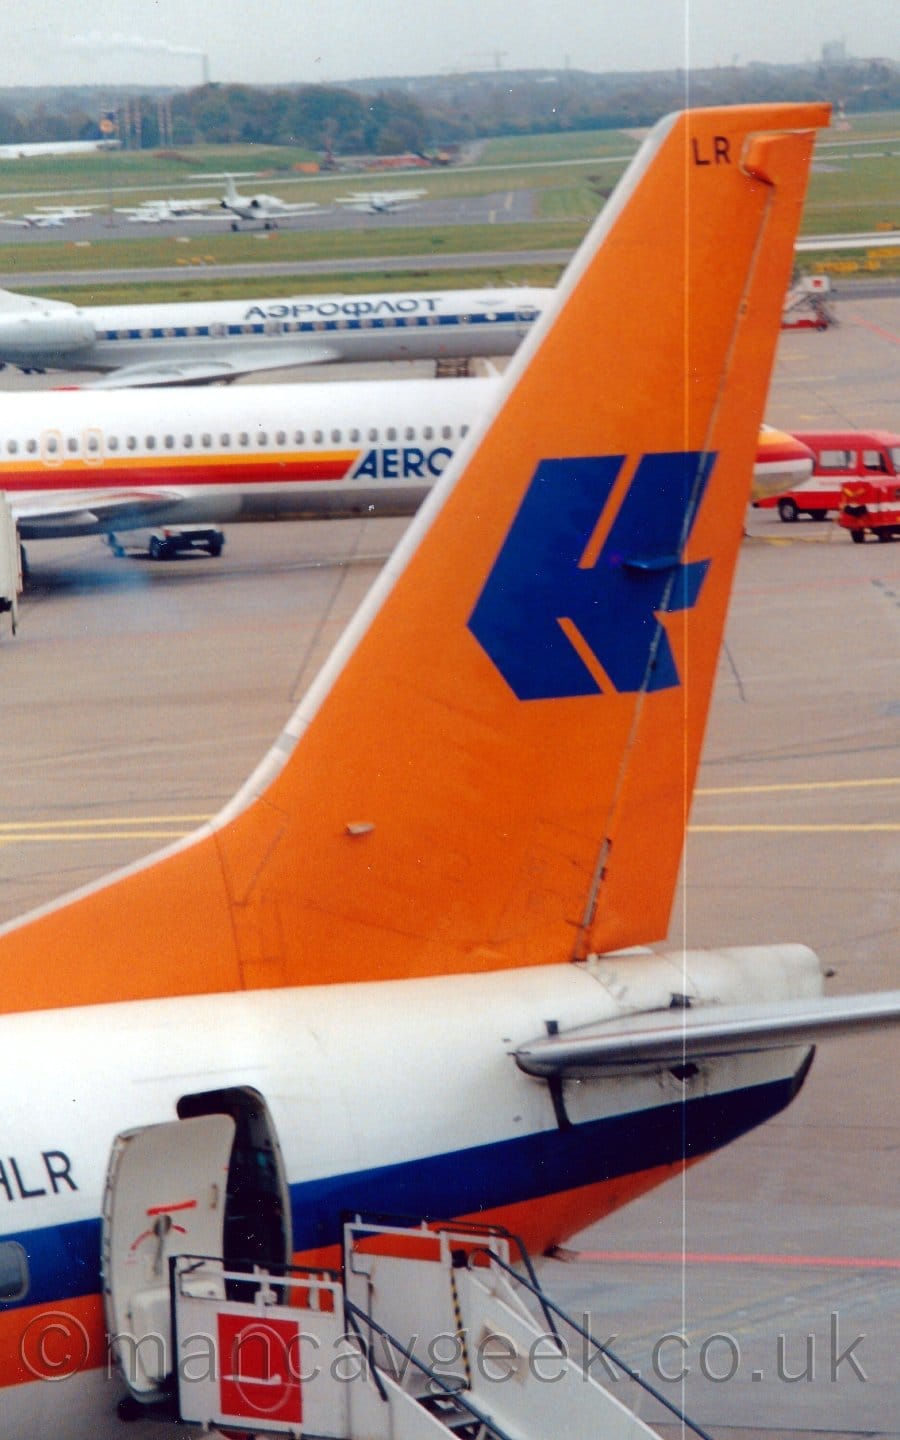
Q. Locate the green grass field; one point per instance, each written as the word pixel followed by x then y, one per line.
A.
pixel 856 186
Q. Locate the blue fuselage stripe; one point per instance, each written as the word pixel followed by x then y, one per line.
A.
pixel 64 1261
pixel 307 327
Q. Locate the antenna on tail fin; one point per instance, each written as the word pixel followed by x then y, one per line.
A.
pixel 495 766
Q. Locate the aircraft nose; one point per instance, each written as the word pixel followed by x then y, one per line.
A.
pixel 42 330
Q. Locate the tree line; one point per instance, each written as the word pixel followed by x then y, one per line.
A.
pixel 422 113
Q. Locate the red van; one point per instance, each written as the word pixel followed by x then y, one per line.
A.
pixel 841 456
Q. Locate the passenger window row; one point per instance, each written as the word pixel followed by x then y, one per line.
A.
pixel 51 442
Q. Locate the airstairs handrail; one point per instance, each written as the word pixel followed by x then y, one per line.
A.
pixel 356 1313
pixel 548 1305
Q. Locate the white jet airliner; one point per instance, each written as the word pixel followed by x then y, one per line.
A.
pixel 202 341
pixel 398 973
pixel 74 462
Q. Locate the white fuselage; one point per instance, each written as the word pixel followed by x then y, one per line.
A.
pixel 85 462
pixel 399 1097
pixel 296 330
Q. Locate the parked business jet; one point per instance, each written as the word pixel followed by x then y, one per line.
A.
pixel 380 202
pixel 391 974
pixel 267 208
pixel 75 463
pixel 203 341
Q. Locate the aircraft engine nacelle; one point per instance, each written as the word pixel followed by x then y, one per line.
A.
pixel 41 328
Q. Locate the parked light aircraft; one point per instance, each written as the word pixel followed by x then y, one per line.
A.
pixel 383 964
pixel 219 340
pixel 160 212
pixel 380 202
pixel 50 217
pixel 267 208
pixel 74 462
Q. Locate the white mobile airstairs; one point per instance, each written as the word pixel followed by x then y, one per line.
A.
pixel 10 564
pixel 430 1332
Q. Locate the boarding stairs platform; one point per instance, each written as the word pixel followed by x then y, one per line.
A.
pixel 807 306
pixel 430 1331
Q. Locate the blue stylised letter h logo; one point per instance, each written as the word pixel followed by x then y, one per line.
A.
pixel 540 580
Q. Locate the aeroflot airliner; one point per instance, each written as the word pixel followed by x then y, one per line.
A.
pixel 384 964
pixel 218 340
pixel 76 463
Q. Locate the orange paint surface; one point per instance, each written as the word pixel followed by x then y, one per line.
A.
pixel 489 815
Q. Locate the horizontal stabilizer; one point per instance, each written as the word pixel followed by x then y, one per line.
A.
pixel 46 519
pixel 677 1036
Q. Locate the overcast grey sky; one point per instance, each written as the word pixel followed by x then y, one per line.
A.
pixel 272 41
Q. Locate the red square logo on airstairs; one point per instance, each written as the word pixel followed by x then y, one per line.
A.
pixel 259 1368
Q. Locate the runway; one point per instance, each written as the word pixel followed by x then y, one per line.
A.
pixel 136 697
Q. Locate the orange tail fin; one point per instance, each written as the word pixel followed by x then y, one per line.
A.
pixel 494 769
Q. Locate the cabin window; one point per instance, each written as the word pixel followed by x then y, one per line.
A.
pixel 873 460
pixel 12 447
pixel 836 459
pixel 353 436
pixel 206 441
pixel 93 444
pixel 318 437
pixel 13 1271
pixel 244 439
pixel 299 437
pixel 428 432
pixel 131 442
pixel 150 442
pixel 112 442
pixel 169 442
pixel 463 429
pixel 410 432
pixel 272 327
pixel 262 437
pixel 373 435
pixel 446 432
pixel 187 442
pixel 225 441
pixel 217 328
pixel 52 444
pixel 31 446
pixel 146 334
pixel 391 433
pixel 895 456
pixel 280 437
pixel 72 445
pixel 336 437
